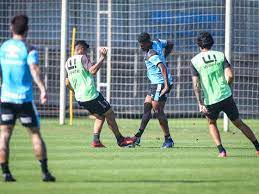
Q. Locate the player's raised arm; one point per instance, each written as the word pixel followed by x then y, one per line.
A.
pixel 168 48
pixel 35 72
pixel 95 68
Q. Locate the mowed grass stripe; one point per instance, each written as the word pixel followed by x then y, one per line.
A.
pixel 191 167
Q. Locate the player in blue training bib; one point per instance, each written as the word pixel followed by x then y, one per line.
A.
pixel 155 53
pixel 19 64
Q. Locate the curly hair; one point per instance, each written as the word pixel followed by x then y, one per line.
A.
pixel 205 40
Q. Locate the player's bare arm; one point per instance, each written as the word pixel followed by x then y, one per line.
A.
pixel 197 91
pixel 164 73
pixel 35 72
pixel 229 75
pixel 95 68
pixel 68 85
pixel 168 49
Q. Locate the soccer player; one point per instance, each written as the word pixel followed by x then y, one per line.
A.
pixel 213 73
pixel 155 53
pixel 20 65
pixel 80 80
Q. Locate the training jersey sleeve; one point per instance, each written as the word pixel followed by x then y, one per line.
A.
pixel 194 71
pixel 163 43
pixel 33 57
pixel 153 57
pixel 86 62
pixel 226 63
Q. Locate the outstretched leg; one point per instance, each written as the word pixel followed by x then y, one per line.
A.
pixel 247 132
pixel 110 118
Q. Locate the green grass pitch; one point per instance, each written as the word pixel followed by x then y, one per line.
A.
pixel 191 167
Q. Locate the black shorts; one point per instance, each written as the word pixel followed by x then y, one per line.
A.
pixel 227 105
pixel 96 106
pixel 26 112
pixel 155 90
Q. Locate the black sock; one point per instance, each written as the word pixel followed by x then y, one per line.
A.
pixel 44 165
pixel 119 138
pixel 96 137
pixel 167 137
pixel 221 148
pixel 5 168
pixel 139 133
pixel 256 144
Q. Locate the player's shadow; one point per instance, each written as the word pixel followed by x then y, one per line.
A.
pixel 194 147
pixel 157 181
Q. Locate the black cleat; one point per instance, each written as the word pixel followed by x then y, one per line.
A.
pixel 47 177
pixel 8 177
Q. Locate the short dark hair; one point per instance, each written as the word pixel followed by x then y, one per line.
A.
pixel 205 40
pixel 20 24
pixel 82 43
pixel 144 37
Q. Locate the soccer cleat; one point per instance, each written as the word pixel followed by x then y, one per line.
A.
pixel 169 143
pixel 222 154
pixel 48 177
pixel 8 177
pixel 257 152
pixel 136 140
pixel 126 142
pixel 97 144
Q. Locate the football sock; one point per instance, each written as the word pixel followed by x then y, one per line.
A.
pixel 221 148
pixel 139 133
pixel 256 144
pixel 96 137
pixel 44 165
pixel 167 137
pixel 5 168
pixel 119 138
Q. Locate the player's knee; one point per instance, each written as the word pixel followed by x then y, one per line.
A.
pixel 5 137
pixel 147 107
pixel 110 115
pixel 212 122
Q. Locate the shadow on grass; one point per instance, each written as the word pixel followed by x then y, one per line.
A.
pixel 194 147
pixel 156 181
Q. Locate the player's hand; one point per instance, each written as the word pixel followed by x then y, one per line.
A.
pixel 43 96
pixel 203 108
pixel 164 91
pixel 103 52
